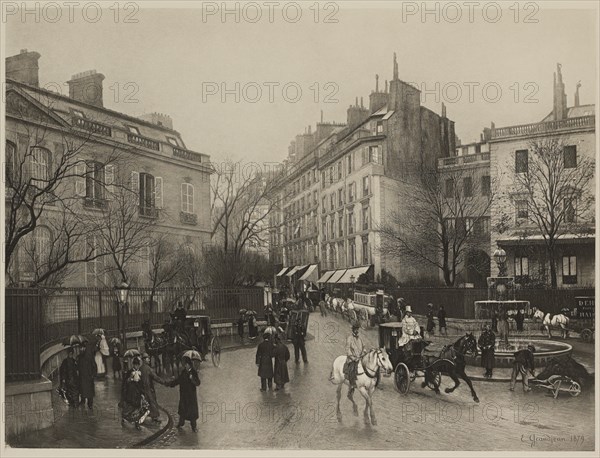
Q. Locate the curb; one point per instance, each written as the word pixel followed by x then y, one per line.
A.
pixel 158 434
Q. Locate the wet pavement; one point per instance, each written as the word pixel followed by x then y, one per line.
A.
pixel 234 414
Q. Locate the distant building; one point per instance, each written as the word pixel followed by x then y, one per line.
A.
pixel 344 179
pixel 173 182
pixel 524 245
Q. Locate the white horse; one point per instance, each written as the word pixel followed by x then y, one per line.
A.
pixel 549 321
pixel 368 369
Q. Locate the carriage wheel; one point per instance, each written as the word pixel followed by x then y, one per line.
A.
pixel 435 381
pixel 402 378
pixel 574 389
pixel 215 351
pixel 587 335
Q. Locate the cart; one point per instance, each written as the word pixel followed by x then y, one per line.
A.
pixel 296 316
pixel 584 318
pixel 406 370
pixel 198 330
pixel 557 384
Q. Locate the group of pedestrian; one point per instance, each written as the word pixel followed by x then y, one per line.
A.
pixel 77 375
pixel 272 356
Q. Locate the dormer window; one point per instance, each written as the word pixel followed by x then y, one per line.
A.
pixel 173 141
pixel 134 130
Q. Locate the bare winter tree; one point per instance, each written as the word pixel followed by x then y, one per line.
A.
pixel 165 262
pixel 553 185
pixel 242 201
pixel 442 218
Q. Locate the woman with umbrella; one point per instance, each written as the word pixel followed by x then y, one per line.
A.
pixel 69 378
pixel 134 407
pixel 102 352
pixel 252 328
pixel 187 380
pixel 116 357
pixel 281 353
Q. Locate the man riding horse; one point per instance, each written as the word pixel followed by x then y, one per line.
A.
pixel 354 351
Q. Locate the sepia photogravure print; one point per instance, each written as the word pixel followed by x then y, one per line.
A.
pixel 324 228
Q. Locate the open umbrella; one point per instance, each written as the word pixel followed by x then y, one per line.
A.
pixel 114 341
pixel 97 331
pixel 242 311
pixel 74 340
pixel 193 355
pixel 131 353
pixel 250 312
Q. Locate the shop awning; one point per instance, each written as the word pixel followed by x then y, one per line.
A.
pixel 325 276
pixel 282 271
pixel 336 276
pixel 517 240
pixel 311 274
pixel 294 270
pixel 356 272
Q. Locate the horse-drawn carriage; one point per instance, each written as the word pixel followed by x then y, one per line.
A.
pixel 296 316
pixel 199 333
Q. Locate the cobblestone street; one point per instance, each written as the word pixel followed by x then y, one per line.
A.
pixel 235 414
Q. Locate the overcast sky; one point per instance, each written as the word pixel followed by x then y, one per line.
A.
pixel 170 55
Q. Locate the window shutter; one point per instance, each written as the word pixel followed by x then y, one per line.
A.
pixel 80 170
pixel 134 186
pixel 183 197
pixel 191 198
pixel 158 192
pixel 109 180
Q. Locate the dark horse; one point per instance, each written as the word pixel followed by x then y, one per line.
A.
pixel 177 342
pixel 455 353
pixel 154 344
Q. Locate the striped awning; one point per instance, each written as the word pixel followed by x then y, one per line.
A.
pixel 336 276
pixel 355 272
pixel 310 274
pixel 326 276
pixel 282 271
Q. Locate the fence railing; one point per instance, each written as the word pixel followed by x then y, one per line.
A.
pixel 23 334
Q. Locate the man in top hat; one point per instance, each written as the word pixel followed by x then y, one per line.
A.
pixel 487 343
pixel 410 328
pixel 354 351
pixel 523 363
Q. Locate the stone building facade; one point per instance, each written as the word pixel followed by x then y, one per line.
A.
pixel 171 181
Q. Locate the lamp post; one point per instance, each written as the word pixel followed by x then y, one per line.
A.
pixel 122 292
pixel 352 282
pixel 500 258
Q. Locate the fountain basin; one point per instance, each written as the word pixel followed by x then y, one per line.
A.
pixel 545 350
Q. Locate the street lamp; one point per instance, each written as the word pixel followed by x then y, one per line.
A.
pixel 500 258
pixel 122 293
pixel 352 278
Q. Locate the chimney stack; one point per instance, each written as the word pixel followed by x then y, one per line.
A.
pixel 376 83
pixel 86 87
pixel 577 93
pixel 24 67
pixel 559 110
pixel 443 110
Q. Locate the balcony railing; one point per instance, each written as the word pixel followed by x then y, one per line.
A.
pixel 186 154
pixel 544 127
pixel 462 160
pixel 188 218
pixel 95 203
pixel 143 141
pixel 92 126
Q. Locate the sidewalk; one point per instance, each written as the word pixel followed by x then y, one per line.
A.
pixel 97 428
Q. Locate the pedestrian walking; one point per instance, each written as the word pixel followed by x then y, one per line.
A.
pixel 323 307
pixel 264 361
pixel 116 360
pixel 281 354
pixel 99 359
pixel 430 321
pixel 148 379
pixel 104 352
pixel 299 343
pixel 503 326
pixel 134 405
pixel 252 328
pixel 523 364
pixel 487 343
pixel 240 324
pixel 69 378
pixel 187 380
pixel 87 372
pixel 519 319
pixel 442 321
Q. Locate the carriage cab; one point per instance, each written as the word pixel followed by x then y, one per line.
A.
pixel 198 330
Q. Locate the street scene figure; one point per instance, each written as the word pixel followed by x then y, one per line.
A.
pixel 430 321
pixel 299 337
pixel 523 365
pixel 442 321
pixel 503 327
pixel 520 319
pixel 264 362
pixel 69 378
pixel 188 381
pixel 148 377
pixel 252 327
pixel 281 354
pixel 410 328
pixel 354 351
pixel 116 360
pixel 86 363
pixel 134 405
pixel 487 342
pixel 241 322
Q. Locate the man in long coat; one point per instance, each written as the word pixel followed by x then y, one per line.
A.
pixel 282 356
pixel 354 351
pixel 87 372
pixel 69 378
pixel 298 341
pixel 187 380
pixel 264 361
pixel 487 343
pixel 148 378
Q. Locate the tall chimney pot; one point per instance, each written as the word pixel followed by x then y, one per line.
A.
pixel 24 67
pixel 86 87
